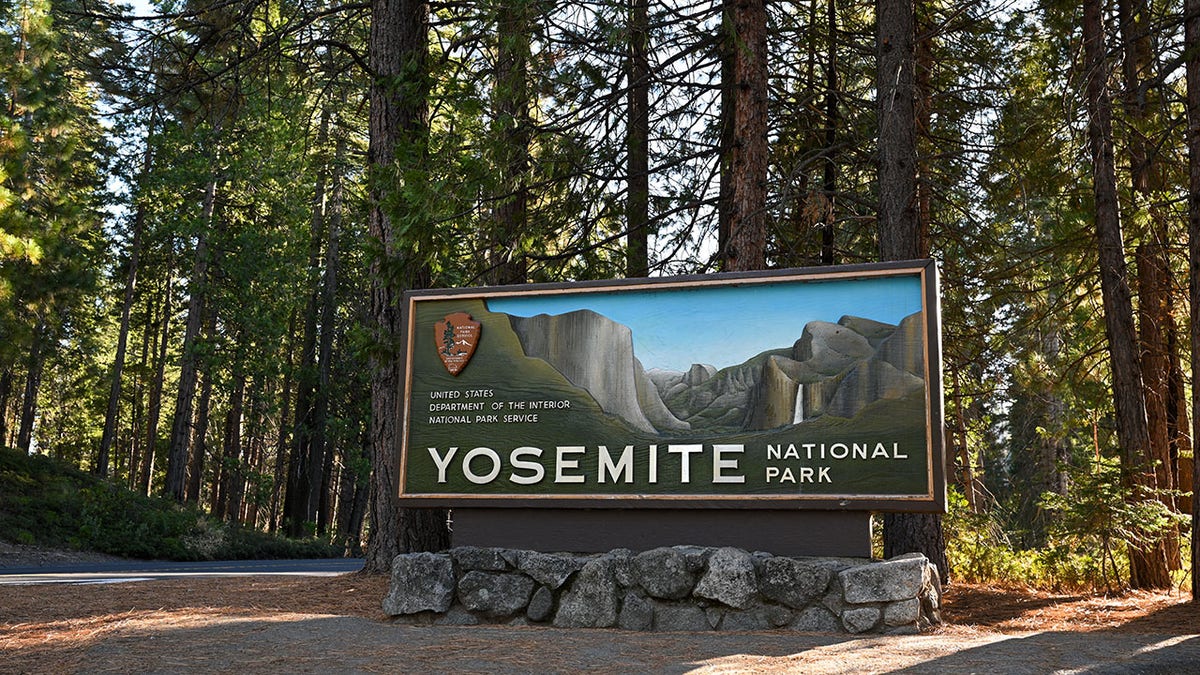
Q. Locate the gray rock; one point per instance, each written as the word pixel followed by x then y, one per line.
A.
pixel 902 612
pixel 568 341
pixel 697 556
pixel 835 600
pixel 793 582
pixel 636 613
pixel 730 578
pixel 541 605
pixel 874 331
pixel 778 616
pixel 904 349
pixel 899 578
pixel 591 602
pixel 680 617
pixel 494 595
pixel 547 569
pixel 457 616
pixel 664 573
pixel 477 558
pixel 698 374
pixel 860 619
pixel 748 619
pixel 652 404
pixel 714 615
pixel 420 582
pixel 870 381
pixel 830 348
pixel 816 620
pixel 623 572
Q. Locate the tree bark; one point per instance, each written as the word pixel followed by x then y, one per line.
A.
pixel 6 379
pixel 281 442
pixel 1132 430
pixel 156 387
pixel 744 156
pixel 177 451
pixel 200 439
pixel 514 133
pixel 1192 37
pixel 321 454
pixel 1155 321
pixel 637 201
pixel 898 223
pixel 33 384
pixel 300 499
pixel 832 118
pixel 233 481
pixel 108 437
pixel 398 129
pixel 899 228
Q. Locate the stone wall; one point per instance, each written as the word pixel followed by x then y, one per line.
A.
pixel 676 588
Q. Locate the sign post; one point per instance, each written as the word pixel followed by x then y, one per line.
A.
pixel 726 408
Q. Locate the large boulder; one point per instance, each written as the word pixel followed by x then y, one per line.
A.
pixel 730 579
pixel 793 582
pixel 494 595
pixel 591 602
pixel 420 582
pixel 898 578
pixel 549 570
pixel 663 573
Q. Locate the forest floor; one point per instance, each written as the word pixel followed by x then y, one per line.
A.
pixel 305 624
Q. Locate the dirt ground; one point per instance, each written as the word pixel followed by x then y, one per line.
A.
pixel 335 624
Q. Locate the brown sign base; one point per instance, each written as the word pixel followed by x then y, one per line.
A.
pixel 781 532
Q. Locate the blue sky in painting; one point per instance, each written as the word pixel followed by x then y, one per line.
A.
pixel 725 325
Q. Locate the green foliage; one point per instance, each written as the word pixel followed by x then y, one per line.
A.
pixel 46 502
pixel 980 551
pixel 1102 514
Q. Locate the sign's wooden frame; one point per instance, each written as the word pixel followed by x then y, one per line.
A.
pixel 934 500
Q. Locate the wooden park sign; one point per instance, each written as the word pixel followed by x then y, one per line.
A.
pixel 807 388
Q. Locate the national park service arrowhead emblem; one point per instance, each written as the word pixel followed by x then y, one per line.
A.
pixel 456 337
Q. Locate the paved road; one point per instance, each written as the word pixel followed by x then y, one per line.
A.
pixel 118 572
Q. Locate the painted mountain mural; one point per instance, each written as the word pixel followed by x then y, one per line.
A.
pixel 833 369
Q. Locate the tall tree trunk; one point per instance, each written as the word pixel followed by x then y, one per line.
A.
pixel 899 227
pixel 200 436
pixel 1155 320
pixel 233 478
pixel 114 392
pixel 33 383
pixel 637 201
pixel 829 182
pixel 200 440
pixel 6 379
pixel 898 222
pixel 321 455
pixel 1192 37
pixel 514 133
pixel 398 129
pixel 285 425
pixel 156 386
pixel 744 149
pixel 300 499
pixel 177 450
pixel 137 422
pixel 1146 571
